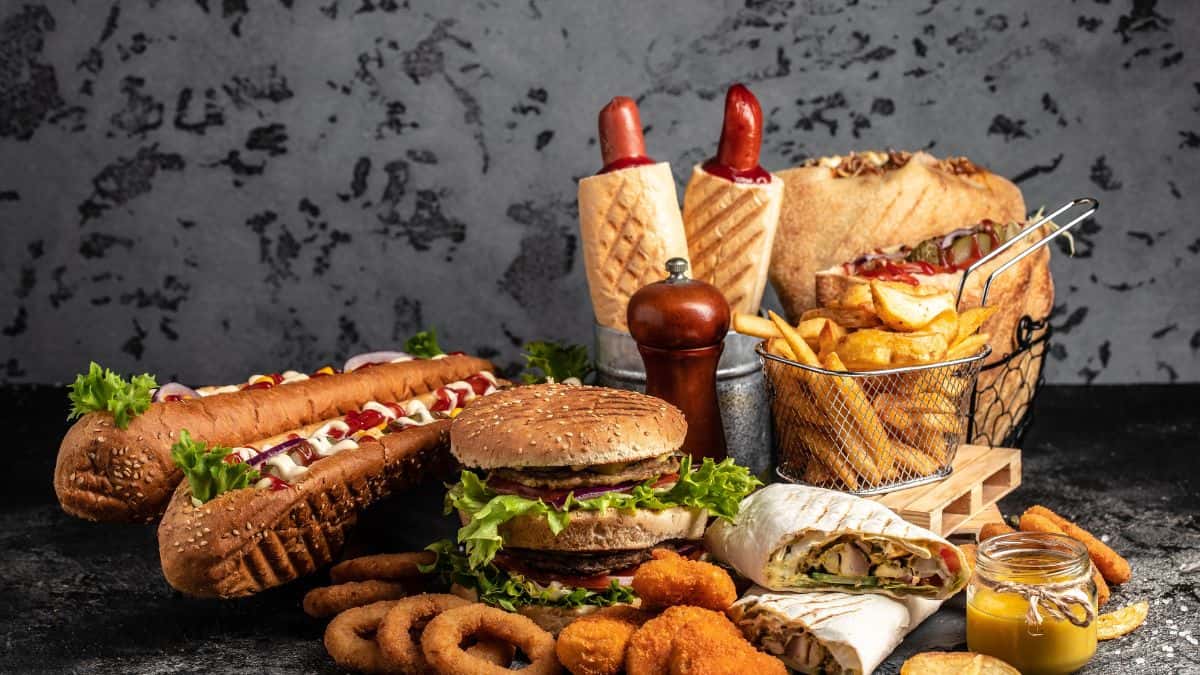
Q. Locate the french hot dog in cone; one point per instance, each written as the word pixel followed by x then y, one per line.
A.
pixel 628 216
pixel 836 208
pixel 731 208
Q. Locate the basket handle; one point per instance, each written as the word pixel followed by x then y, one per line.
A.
pixel 1092 205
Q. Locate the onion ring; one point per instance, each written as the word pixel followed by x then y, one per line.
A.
pixel 446 632
pixel 327 601
pixel 408 616
pixel 385 566
pixel 350 638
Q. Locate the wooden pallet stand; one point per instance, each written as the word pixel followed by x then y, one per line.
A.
pixel 961 501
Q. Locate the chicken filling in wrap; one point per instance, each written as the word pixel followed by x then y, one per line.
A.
pixel 863 563
pixel 776 635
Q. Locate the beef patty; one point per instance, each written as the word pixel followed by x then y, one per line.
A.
pixel 585 564
pixel 565 477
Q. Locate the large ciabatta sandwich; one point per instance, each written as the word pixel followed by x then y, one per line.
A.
pixel 567 490
pixel 837 208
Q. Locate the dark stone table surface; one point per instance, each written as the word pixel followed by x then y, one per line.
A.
pixel 1123 462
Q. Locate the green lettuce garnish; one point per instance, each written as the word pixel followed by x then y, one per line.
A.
pixel 512 591
pixel 424 344
pixel 206 470
pixel 719 488
pixel 555 362
pixel 102 389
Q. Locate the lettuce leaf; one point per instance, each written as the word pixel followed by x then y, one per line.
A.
pixel 719 488
pixel 207 472
pixel 103 390
pixel 557 362
pixel 512 591
pixel 424 344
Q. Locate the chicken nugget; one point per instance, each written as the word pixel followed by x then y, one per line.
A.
pixel 595 645
pixel 670 579
pixel 1115 569
pixel 700 649
pixel 649 651
pixel 1034 522
pixel 994 530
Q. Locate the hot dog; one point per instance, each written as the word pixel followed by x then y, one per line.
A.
pixel 115 463
pixel 289 518
pixel 628 216
pixel 731 208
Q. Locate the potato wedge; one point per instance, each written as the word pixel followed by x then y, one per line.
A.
pixel 944 324
pixel 970 321
pixel 968 347
pixel 904 311
pixel 856 296
pixel 827 341
pixel 873 349
pixel 850 318
pixel 1121 622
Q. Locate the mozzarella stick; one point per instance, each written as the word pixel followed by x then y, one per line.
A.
pixel 1033 522
pixel 1115 569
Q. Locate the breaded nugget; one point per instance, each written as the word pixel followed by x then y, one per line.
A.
pixel 1114 568
pixel 701 649
pixel 1033 522
pixel 595 645
pixel 649 651
pixel 670 579
pixel 994 530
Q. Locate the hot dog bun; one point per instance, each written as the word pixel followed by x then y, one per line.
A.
pixel 126 475
pixel 630 226
pixel 248 540
pixel 730 231
pixel 827 219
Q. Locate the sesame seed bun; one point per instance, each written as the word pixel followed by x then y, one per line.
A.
pixel 551 425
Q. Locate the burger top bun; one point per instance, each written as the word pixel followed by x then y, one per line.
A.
pixel 554 425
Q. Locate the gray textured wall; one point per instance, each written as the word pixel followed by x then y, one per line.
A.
pixel 210 187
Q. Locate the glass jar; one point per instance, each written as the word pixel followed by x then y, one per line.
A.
pixel 1032 603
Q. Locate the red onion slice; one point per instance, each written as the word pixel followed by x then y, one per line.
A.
pixel 356 362
pixel 173 389
pixel 949 238
pixel 271 452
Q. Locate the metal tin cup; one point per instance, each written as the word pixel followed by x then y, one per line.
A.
pixel 741 391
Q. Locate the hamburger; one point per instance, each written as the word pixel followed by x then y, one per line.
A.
pixel 567 489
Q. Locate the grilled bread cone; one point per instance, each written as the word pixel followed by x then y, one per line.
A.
pixel 730 231
pixel 630 225
pixel 827 219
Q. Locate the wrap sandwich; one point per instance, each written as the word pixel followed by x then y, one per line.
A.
pixel 828 633
pixel 835 208
pixel 801 538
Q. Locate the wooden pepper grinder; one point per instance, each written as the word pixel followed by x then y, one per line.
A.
pixel 679 325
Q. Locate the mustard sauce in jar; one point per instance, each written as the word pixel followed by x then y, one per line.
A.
pixel 1032 603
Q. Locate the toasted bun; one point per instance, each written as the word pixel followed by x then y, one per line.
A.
pixel 249 540
pixel 127 475
pixel 563 425
pixel 609 530
pixel 827 220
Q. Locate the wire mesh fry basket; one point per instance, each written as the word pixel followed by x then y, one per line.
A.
pixel 1006 389
pixel 872 431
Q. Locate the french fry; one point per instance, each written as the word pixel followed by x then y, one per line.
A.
pixel 755 326
pixel 892 409
pixel 939 422
pixel 969 346
pixel 845 317
pixel 873 349
pixel 815 473
pixel 931 401
pixel 1035 522
pixel 826 451
pixel 946 325
pixel 827 341
pixel 905 311
pixel 779 347
pixel 915 462
pixel 1115 569
pixel 865 422
pixel 803 353
pixel 970 321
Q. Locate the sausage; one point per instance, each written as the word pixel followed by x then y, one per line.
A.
pixel 621 142
pixel 741 139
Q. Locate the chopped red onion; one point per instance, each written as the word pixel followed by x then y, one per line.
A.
pixel 271 452
pixel 173 389
pixel 356 362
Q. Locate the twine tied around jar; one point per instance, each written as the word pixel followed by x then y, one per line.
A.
pixel 1056 599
